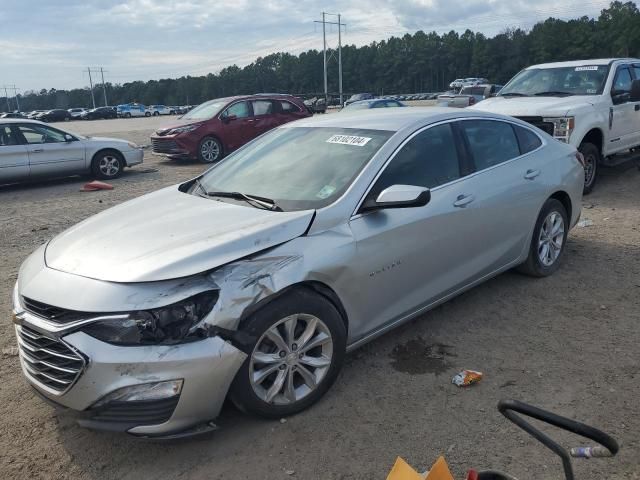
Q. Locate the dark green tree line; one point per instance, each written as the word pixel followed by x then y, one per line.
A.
pixel 422 62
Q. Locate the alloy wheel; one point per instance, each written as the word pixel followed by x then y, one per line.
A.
pixel 551 239
pixel 291 359
pixel 210 150
pixel 109 165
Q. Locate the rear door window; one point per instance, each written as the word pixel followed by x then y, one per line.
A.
pixel 491 142
pixel 262 107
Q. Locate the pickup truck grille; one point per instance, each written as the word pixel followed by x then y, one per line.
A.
pixel 49 362
pixel 546 127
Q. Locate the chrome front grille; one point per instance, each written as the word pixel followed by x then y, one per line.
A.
pixel 50 363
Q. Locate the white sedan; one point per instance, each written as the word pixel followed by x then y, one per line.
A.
pixel 30 149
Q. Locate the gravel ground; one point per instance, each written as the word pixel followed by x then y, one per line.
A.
pixel 568 343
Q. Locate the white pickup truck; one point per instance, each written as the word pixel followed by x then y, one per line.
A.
pixel 591 104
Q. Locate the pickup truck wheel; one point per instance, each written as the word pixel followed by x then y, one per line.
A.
pixel 591 155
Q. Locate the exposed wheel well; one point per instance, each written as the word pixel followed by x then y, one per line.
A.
pixel 111 150
pixel 565 200
pixel 594 136
pixel 318 287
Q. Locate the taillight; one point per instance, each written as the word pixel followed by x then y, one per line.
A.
pixel 580 159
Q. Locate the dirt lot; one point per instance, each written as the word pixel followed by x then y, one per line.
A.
pixel 568 343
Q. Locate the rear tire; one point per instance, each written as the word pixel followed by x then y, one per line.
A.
pixel 548 240
pixel 107 165
pixel 288 375
pixel 592 159
pixel 127 115
pixel 147 114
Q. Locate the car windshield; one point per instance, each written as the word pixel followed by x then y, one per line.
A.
pixel 206 110
pixel 580 80
pixel 299 168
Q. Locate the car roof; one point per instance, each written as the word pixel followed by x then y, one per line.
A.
pixel 579 63
pixel 20 120
pixel 390 119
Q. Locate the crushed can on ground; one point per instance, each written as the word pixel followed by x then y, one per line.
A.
pixel 466 378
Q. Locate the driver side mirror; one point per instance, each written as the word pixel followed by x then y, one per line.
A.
pixel 398 196
pixel 635 91
pixel 226 118
pixel 68 138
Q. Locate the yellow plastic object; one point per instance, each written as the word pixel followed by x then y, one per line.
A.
pixel 402 471
pixel 439 471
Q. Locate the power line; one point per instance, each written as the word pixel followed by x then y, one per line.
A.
pixel 104 86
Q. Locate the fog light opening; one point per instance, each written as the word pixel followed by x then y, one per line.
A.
pixel 143 392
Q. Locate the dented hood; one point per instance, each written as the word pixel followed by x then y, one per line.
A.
pixel 169 234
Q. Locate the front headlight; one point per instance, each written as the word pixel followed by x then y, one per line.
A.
pixel 159 326
pixel 562 127
pixel 184 129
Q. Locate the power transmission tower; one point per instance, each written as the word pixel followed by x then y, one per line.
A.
pixel 324 23
pixel 15 95
pixel 104 86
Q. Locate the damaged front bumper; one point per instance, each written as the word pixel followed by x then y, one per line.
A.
pixel 203 369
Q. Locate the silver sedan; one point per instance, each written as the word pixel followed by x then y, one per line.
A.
pixel 32 150
pixel 255 279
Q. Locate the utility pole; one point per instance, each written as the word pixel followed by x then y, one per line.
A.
pixel 324 49
pixel 91 84
pixel 104 87
pixel 340 58
pixel 6 96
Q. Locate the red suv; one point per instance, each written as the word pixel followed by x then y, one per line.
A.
pixel 218 127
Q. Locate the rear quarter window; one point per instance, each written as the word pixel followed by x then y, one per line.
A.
pixel 491 142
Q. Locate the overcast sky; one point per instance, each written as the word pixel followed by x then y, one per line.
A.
pixel 48 43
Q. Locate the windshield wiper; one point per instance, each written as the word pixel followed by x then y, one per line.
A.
pixel 254 200
pixel 513 94
pixel 552 93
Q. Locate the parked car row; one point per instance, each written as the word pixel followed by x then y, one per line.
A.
pixel 128 110
pixel 458 83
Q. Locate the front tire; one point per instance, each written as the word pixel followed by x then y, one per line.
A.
pixel 298 351
pixel 107 165
pixel 209 150
pixel 548 240
pixel 592 159
pixel 147 114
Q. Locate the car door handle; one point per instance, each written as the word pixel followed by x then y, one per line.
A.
pixel 463 200
pixel 531 174
pixel 38 150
